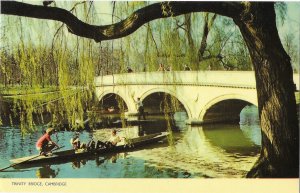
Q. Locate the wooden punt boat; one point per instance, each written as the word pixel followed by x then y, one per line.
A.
pixel 72 154
pixel 118 123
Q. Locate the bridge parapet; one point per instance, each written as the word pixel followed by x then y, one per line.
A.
pixel 200 78
pixel 238 79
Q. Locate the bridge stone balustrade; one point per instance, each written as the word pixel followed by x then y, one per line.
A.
pixel 207 96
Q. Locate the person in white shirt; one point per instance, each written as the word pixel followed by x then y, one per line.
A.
pixel 114 138
pixel 111 142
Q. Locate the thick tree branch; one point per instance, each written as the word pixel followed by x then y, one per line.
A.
pixel 124 27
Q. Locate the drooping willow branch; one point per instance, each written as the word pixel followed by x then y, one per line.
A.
pixel 124 27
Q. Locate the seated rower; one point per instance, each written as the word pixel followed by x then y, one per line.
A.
pixel 45 144
pixel 113 141
pixel 75 142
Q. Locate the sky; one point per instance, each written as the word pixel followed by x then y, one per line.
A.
pixel 292 23
pixel 292 26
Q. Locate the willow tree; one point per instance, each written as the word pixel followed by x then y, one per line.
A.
pixel 279 155
pixel 32 53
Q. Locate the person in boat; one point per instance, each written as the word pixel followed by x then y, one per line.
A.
pixel 114 138
pixel 45 143
pixel 112 141
pixel 140 107
pixel 75 142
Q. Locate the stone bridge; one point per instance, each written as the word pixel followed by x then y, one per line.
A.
pixel 206 96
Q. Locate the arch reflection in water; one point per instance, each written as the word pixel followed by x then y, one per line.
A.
pixel 252 132
pixel 193 152
pixel 243 140
pixel 249 124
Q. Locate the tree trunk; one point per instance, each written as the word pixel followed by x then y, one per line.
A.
pixel 279 155
pixel 206 28
pixel 188 23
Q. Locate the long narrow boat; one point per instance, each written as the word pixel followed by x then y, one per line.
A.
pixel 118 123
pixel 71 154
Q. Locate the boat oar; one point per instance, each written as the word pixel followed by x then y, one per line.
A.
pixel 12 165
pixel 17 170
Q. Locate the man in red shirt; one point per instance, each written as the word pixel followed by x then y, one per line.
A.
pixel 45 144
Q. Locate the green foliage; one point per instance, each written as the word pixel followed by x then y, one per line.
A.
pixel 47 76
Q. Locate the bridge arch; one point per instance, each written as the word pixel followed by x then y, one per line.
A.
pixel 119 94
pixel 170 92
pixel 228 99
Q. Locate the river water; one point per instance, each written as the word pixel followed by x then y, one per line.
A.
pixel 209 151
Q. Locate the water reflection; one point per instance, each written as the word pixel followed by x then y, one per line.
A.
pixel 209 151
pixel 194 153
pixel 113 158
pixel 78 163
pixel 252 132
pixel 98 161
pixel 179 120
pixel 233 139
pixel 46 172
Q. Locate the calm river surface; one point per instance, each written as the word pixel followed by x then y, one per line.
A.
pixel 209 151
